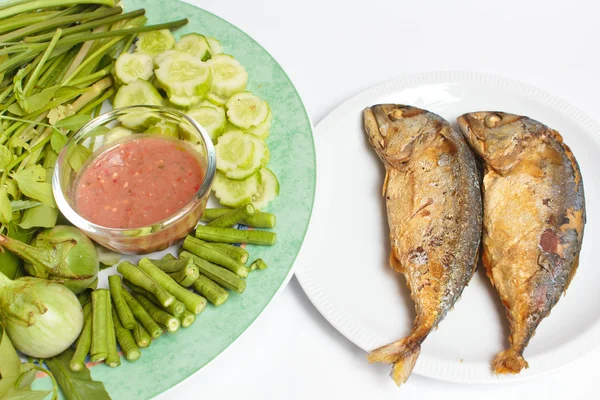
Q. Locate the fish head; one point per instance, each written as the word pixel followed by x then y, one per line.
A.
pixel 393 130
pixel 498 138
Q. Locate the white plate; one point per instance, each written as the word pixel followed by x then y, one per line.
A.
pixel 343 267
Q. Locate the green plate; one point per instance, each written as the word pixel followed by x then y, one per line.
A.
pixel 174 357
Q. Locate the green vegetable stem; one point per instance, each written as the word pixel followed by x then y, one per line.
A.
pixel 235 252
pixel 212 254
pixel 142 316
pixel 125 339
pixel 192 301
pixel 123 310
pixel 218 274
pixel 82 349
pixel 175 309
pixel 258 220
pixel 229 235
pixel 100 309
pixel 211 290
pixel 139 277
pixel 186 276
pixel 162 317
pixel 235 216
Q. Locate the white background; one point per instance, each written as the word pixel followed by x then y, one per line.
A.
pixel 332 50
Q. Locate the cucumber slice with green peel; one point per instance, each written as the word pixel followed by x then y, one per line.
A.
pixel 194 44
pixel 263 129
pixel 155 42
pixel 164 128
pixel 245 110
pixel 138 92
pixel 164 55
pixel 132 66
pixel 182 74
pixel 268 190
pixel 235 193
pixel 211 118
pixel 185 101
pixel 214 46
pixel 229 76
pixel 240 154
pixel 216 99
pixel 117 133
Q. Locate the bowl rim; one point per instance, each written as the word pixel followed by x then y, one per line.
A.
pixel 82 223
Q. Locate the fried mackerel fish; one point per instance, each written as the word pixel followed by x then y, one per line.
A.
pixel 534 214
pixel 434 209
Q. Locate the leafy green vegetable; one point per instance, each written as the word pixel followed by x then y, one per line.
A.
pixel 16 378
pixel 18 205
pixel 57 141
pixel 42 216
pixel 5 207
pixel 32 183
pixel 75 385
pixel 5 156
pixel 77 156
pixel 73 122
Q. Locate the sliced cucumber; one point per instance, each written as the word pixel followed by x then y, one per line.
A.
pixel 164 128
pixel 216 99
pixel 155 42
pixel 211 118
pixel 194 44
pixel 185 101
pixel 132 66
pixel 117 133
pixel 164 55
pixel 268 190
pixel 245 110
pixel 235 193
pixel 229 76
pixel 182 74
pixel 240 154
pixel 215 46
pixel 138 92
pixel 262 130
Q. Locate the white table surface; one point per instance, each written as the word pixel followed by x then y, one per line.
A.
pixel 335 49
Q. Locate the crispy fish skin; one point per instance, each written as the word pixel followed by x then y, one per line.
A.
pixel 534 215
pixel 434 208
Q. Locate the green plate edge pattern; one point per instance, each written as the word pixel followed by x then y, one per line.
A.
pixel 174 357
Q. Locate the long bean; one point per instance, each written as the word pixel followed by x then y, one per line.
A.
pixel 125 339
pixel 211 290
pixel 187 319
pixel 235 216
pixel 175 309
pixel 193 302
pixel 233 251
pixel 229 235
pixel 142 316
pixel 171 266
pixel 84 342
pixel 218 274
pixel 116 291
pixel 112 357
pixel 209 253
pixel 141 336
pixel 138 277
pixel 258 220
pixel 162 317
pixel 186 276
pixel 100 310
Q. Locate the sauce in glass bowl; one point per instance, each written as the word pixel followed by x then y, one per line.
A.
pixel 138 182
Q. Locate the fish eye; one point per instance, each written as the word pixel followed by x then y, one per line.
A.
pixel 492 120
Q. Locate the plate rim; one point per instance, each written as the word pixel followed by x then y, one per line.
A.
pixel 427 366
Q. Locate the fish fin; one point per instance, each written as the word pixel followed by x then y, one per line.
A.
pixel 509 362
pixel 402 354
pixel 385 182
pixel 395 263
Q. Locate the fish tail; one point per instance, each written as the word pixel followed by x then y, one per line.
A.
pixel 402 354
pixel 509 362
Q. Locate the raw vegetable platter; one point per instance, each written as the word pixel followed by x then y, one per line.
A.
pixel 174 357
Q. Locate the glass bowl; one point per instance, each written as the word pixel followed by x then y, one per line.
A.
pixel 96 137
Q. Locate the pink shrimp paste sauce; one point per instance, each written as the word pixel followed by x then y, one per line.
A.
pixel 138 182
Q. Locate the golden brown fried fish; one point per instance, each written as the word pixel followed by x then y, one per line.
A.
pixel 434 212
pixel 534 213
